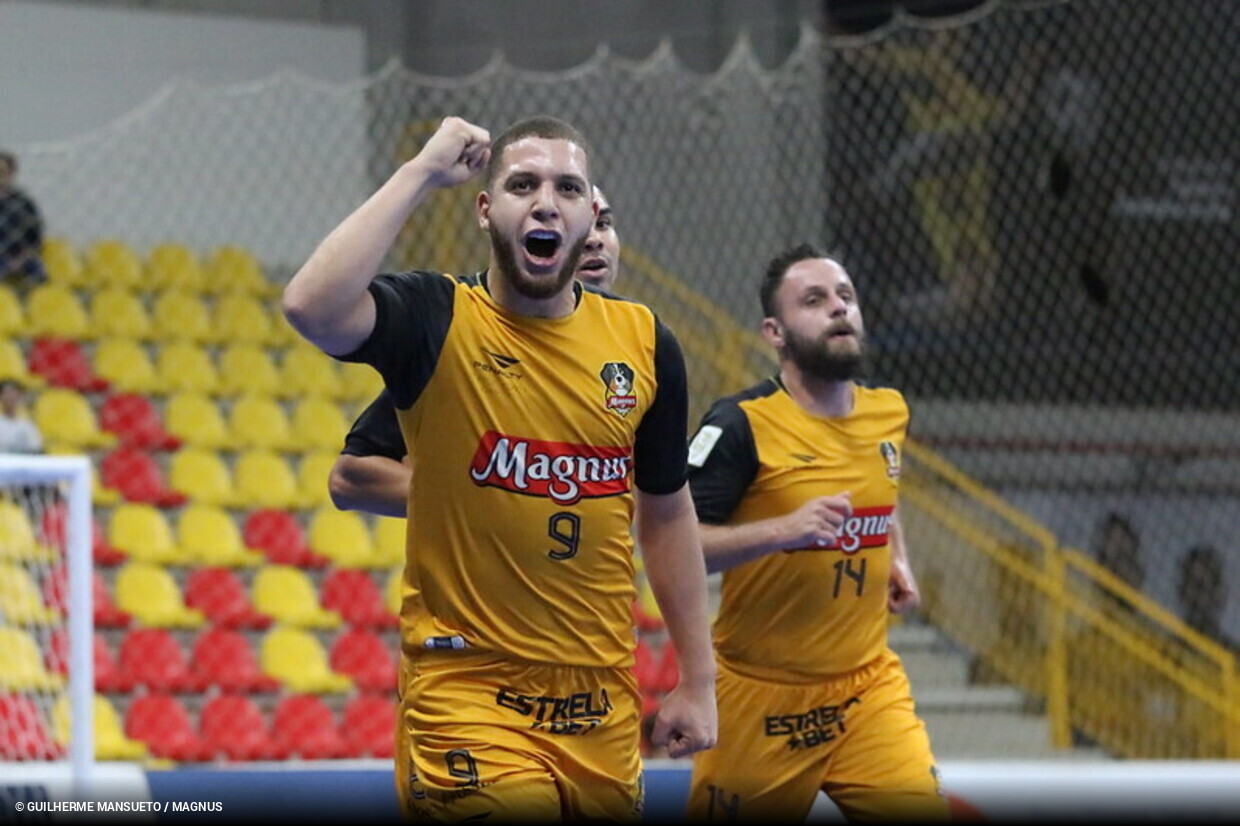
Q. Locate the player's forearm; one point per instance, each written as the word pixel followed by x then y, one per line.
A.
pixel 327 301
pixel 895 539
pixel 373 484
pixel 726 546
pixel 671 550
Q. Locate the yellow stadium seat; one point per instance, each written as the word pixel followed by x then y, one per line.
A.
pixel 63 264
pixel 110 261
pixel 211 536
pixel 286 594
pixel 55 310
pixel 127 365
pixel 111 743
pixel 296 658
pixel 21 603
pixel 389 535
pixel 360 382
pixel 265 480
pixel 196 419
pixel 17 539
pixel 13 365
pixel 171 265
pixel 183 365
pixel 21 665
pixel 151 595
pixel 259 422
pixel 178 315
pixel 118 311
pixel 312 473
pixel 66 418
pixel 247 368
pixel 308 372
pixel 201 474
pixel 344 538
pixel 12 314
pixel 243 318
pixel 143 534
pixel 233 269
pixel 318 424
pixel 394 589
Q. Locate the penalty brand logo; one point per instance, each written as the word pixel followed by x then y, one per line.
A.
pixel 562 472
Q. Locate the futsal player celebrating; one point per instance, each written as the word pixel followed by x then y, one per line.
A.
pixel 542 418
pixel 795 481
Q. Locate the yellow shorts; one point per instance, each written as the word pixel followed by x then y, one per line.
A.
pixel 480 736
pixel 856 737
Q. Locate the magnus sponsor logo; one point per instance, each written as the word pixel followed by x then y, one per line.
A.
pixel 866 528
pixel 560 471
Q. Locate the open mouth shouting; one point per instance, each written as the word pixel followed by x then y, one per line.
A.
pixel 542 250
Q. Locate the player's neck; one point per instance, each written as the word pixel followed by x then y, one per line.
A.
pixel 830 398
pixel 508 297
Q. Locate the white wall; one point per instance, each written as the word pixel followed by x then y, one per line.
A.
pixel 65 70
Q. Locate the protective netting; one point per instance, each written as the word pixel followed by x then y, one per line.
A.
pixel 1038 208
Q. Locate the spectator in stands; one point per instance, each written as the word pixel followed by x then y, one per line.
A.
pixel 1118 549
pixel 1202 590
pixel 18 434
pixel 21 230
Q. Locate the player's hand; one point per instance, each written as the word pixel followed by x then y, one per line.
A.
pixel 902 593
pixel 816 524
pixel 688 720
pixel 455 153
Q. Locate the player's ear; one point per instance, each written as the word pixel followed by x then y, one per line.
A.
pixel 773 331
pixel 482 208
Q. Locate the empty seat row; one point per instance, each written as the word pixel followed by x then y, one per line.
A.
pixel 112 262
pixel 229 728
pixel 240 369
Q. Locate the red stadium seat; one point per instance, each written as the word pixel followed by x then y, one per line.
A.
pixel 352 593
pixel 366 658
pixel 53 524
pixel 108 676
pixel 281 539
pixel 56 595
pixel 136 422
pixel 164 724
pixel 24 733
pixel 645 622
pixel 304 726
pixel 233 726
pixel 152 657
pixel 138 478
pixel 62 363
pixel 668 675
pixel 223 658
pixel 646 665
pixel 221 595
pixel 370 726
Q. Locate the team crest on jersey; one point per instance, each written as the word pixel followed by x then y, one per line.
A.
pixel 618 380
pixel 892 457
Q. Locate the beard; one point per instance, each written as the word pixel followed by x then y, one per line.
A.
pixel 815 357
pixel 523 283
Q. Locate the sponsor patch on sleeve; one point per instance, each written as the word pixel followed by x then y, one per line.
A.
pixel 703 443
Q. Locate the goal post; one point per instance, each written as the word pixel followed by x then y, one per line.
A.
pixel 29 485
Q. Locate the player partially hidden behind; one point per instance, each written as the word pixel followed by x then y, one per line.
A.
pixel 795 482
pixel 371 473
pixel 517 638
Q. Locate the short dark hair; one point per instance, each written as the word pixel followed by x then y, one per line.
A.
pixel 538 126
pixel 5 384
pixel 8 159
pixel 778 268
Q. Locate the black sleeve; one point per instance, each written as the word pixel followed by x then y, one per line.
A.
pixel 413 311
pixel 660 450
pixel 723 461
pixel 376 431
